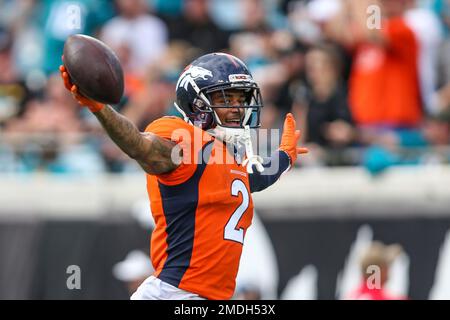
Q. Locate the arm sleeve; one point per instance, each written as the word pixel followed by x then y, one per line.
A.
pixel 274 167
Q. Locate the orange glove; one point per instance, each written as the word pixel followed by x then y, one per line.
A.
pixel 289 139
pixel 94 106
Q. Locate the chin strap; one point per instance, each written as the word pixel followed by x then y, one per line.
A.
pixel 252 159
pixel 240 139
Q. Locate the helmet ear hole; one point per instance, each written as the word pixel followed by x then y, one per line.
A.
pixel 199 105
pixel 203 120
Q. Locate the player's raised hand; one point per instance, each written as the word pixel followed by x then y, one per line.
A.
pixel 290 138
pixel 83 101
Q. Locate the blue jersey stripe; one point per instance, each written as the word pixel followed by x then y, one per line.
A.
pixel 180 204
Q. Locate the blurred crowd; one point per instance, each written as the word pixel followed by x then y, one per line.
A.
pixel 368 79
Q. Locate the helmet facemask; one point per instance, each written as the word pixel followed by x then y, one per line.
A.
pixel 249 108
pixel 238 135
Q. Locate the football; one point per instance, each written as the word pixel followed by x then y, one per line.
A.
pixel 94 68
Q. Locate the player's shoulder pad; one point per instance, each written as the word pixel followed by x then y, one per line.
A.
pixel 165 126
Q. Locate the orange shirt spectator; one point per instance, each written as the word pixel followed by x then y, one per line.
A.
pixel 384 85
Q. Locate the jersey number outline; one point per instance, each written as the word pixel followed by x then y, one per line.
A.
pixel 231 232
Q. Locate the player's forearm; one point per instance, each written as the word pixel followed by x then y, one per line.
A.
pixel 154 154
pixel 122 131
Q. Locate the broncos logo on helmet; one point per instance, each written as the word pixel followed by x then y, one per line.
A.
pixel 192 73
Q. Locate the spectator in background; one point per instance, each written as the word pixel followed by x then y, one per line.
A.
pixel 442 97
pixel 13 92
pixel 292 59
pixel 166 8
pixel 375 264
pixel 61 19
pixel 442 9
pixel 197 27
pixel 329 123
pixel 427 30
pixel 54 113
pixel 139 40
pixel 133 270
pixel 436 133
pixel 323 13
pixel 443 94
pixel 247 292
pixel 286 76
pixel 48 135
pixel 384 86
pixel 253 48
pixel 255 16
pixel 138 37
pixel 253 40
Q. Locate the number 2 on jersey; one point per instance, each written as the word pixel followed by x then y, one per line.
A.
pixel 231 231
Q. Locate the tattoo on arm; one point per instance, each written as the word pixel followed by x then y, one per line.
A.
pixel 153 153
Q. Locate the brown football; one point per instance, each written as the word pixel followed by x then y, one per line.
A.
pixel 94 68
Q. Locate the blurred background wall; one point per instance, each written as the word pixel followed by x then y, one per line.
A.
pixel 48 224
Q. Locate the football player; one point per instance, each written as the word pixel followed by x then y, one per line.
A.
pixel 201 172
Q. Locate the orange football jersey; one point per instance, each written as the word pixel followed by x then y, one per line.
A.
pixel 202 210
